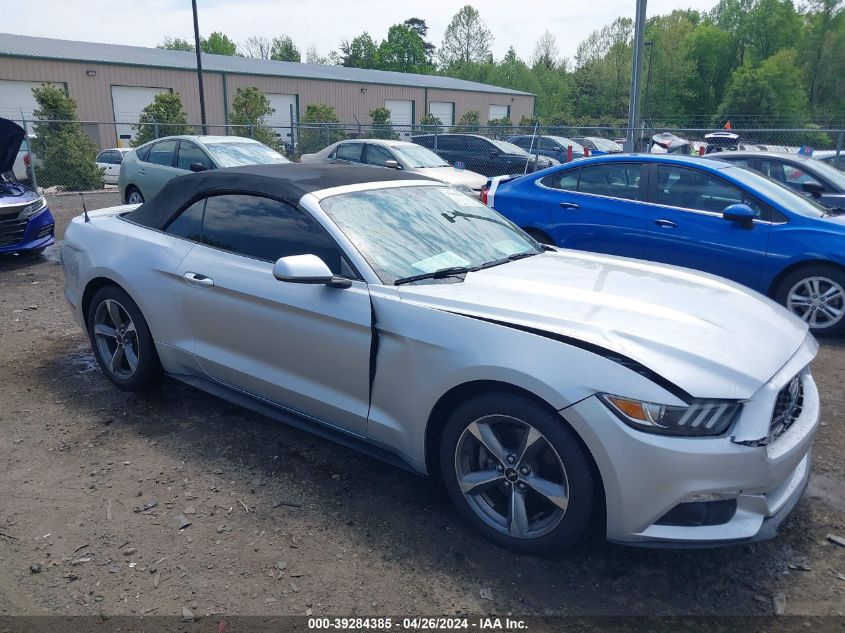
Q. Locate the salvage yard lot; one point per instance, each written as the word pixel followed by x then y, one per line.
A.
pixel 283 523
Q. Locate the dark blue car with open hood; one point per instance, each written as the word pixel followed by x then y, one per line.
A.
pixel 26 224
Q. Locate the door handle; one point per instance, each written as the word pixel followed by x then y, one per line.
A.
pixel 666 224
pixel 195 279
pixel 568 205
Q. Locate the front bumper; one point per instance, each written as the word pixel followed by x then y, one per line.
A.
pixel 645 476
pixel 25 235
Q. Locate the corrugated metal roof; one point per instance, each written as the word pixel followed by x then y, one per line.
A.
pixel 70 50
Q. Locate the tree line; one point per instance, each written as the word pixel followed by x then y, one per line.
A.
pixel 753 62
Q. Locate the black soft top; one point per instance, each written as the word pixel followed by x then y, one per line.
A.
pixel 288 182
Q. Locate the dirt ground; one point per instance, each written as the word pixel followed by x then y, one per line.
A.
pixel 284 523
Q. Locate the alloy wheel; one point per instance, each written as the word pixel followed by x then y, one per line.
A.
pixel 135 197
pixel 820 301
pixel 116 338
pixel 511 476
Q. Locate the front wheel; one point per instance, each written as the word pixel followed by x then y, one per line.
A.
pixel 517 473
pixel 134 196
pixel 123 345
pixel 816 294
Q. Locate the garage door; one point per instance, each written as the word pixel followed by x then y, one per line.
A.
pixel 443 110
pixel 280 119
pixel 127 103
pixel 16 98
pixel 499 112
pixel 401 113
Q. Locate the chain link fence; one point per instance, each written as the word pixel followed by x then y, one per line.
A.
pixel 487 149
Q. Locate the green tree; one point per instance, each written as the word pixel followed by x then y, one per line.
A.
pixel 468 123
pixel 284 50
pixel 403 51
pixel 67 153
pixel 382 125
pixel 361 52
pixel 500 128
pixel 250 108
pixel 773 89
pixel 218 44
pixel 319 128
pixel 429 119
pixel 176 44
pixel 421 29
pixel 467 39
pixel 164 116
pixel 545 52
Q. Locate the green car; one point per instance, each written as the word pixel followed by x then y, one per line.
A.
pixel 146 169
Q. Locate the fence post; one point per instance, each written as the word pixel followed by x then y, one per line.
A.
pixel 436 133
pixel 292 137
pixel 839 141
pixel 155 126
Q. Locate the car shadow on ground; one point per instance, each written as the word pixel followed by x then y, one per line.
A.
pixel 408 519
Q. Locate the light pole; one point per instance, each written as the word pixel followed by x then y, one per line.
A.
pixel 636 71
pixel 199 64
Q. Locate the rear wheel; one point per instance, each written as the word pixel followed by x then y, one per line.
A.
pixel 517 473
pixel 122 343
pixel 134 195
pixel 816 294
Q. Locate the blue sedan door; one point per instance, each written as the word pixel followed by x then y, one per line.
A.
pixel 599 208
pixel 686 227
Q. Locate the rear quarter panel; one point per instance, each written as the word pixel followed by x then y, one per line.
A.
pixel 140 260
pixel 524 203
pixel 801 240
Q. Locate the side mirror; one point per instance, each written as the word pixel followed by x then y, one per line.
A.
pixel 392 164
pixel 307 269
pixel 814 188
pixel 197 167
pixel 741 213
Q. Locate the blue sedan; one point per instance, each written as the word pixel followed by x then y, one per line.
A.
pixel 696 212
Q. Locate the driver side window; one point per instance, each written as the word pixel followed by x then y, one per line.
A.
pixel 691 189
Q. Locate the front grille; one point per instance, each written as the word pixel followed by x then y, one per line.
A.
pixel 11 212
pixel 788 407
pixel 11 231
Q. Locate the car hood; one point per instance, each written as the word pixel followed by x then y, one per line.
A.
pixel 708 336
pixel 11 136
pixel 453 176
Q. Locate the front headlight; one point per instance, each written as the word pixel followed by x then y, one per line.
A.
pixel 699 418
pixel 32 208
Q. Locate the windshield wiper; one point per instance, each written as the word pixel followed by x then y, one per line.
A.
pixel 509 258
pixel 435 274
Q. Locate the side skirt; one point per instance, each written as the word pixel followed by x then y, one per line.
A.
pixel 297 420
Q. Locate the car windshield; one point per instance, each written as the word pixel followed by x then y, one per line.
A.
pixel 829 173
pixel 508 148
pixel 417 156
pixel 407 231
pixel 777 192
pixel 235 154
pixel 605 144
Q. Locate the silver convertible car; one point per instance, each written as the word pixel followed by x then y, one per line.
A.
pixel 396 315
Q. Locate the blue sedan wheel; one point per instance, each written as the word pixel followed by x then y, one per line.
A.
pixel 816 294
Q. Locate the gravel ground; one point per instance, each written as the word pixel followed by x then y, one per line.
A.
pixel 284 523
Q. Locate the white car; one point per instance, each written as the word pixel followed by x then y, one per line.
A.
pixel 409 157
pixel 109 161
pixel 548 388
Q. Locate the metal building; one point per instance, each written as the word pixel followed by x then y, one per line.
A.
pixel 112 83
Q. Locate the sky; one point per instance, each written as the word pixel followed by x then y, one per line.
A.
pixel 324 23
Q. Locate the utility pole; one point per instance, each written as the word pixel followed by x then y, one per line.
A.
pixel 199 64
pixel 636 71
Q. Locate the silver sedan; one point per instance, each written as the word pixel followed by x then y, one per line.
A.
pixel 396 315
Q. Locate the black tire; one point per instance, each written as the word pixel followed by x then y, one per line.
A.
pixel 540 236
pixel 133 189
pixel 148 367
pixel 833 275
pixel 578 477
